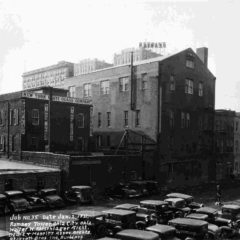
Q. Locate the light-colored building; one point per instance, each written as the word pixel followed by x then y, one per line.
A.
pixel 89 65
pixel 138 54
pixel 52 75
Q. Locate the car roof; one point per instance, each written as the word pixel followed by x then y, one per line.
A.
pixel 138 234
pixel 13 192
pixel 126 206
pixel 29 190
pixel 206 210
pixel 188 221
pixel 48 189
pixel 119 212
pixel 153 202
pixel 161 228
pixel 81 187
pixel 2 196
pixel 4 233
pixel 138 181
pixel 231 206
pixel 199 216
pixel 174 200
pixel 88 213
pixel 179 195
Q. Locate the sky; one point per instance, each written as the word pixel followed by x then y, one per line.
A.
pixel 38 33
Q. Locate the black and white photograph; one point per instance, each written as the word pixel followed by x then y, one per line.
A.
pixel 119 119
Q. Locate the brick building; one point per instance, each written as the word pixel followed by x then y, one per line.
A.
pixel 48 76
pixel 139 54
pixel 43 119
pixel 89 65
pixel 168 100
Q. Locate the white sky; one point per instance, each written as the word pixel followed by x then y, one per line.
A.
pixel 38 33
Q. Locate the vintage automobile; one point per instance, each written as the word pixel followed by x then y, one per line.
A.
pixel 119 219
pixel 121 190
pixel 231 211
pixel 3 205
pixel 36 203
pixel 140 187
pixel 4 235
pixel 16 201
pixel 79 194
pixel 136 234
pixel 165 232
pixel 178 205
pixel 51 197
pixel 158 209
pixel 97 226
pixel 186 227
pixel 143 219
pixel 188 198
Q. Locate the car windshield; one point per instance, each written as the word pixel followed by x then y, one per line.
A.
pixel 179 204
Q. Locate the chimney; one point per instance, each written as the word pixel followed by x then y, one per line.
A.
pixel 203 55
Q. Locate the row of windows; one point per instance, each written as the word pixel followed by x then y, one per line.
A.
pixel 185 119
pixel 125 119
pixel 12 143
pixel 13 117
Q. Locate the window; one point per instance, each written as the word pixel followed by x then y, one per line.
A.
pixel 108 141
pixel 2 143
pixel 190 63
pixel 125 118
pixel 87 90
pixel 11 117
pixel 72 91
pixel 13 143
pixel 1 117
pixel 99 140
pixel 80 120
pixel 187 120
pixel 15 117
pixel 144 81
pixel 108 119
pixel 35 117
pixel 123 84
pixel 171 119
pixel 236 126
pixel 182 120
pixel 80 144
pixel 236 146
pixel 99 119
pixel 172 83
pixel 189 86
pixel 137 118
pixel 104 87
pixel 200 89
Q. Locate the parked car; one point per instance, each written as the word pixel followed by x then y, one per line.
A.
pixel 136 234
pixel 98 226
pixel 140 187
pixel 118 219
pixel 165 232
pixel 79 194
pixel 51 197
pixel 158 209
pixel 4 235
pixel 3 205
pixel 188 198
pixel 36 203
pixel 178 205
pixel 16 201
pixel 231 211
pixel 186 227
pixel 121 190
pixel 214 232
pixel 143 219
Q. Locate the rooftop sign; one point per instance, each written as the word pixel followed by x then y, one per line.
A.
pixel 152 44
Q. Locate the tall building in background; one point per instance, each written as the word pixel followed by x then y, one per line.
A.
pixel 52 75
pixel 89 65
pixel 138 54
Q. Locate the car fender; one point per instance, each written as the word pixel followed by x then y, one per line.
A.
pixel 140 225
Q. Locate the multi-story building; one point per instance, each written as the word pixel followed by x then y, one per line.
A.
pixel 48 76
pixel 89 65
pixel 43 119
pixel 139 54
pixel 168 100
pixel 236 169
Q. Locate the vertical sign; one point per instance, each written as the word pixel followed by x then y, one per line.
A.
pixel 46 122
pixel 23 117
pixel 91 121
pixel 71 123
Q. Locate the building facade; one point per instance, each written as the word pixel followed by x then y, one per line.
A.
pixel 43 119
pixel 236 168
pixel 89 65
pixel 168 100
pixel 48 76
pixel 138 54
